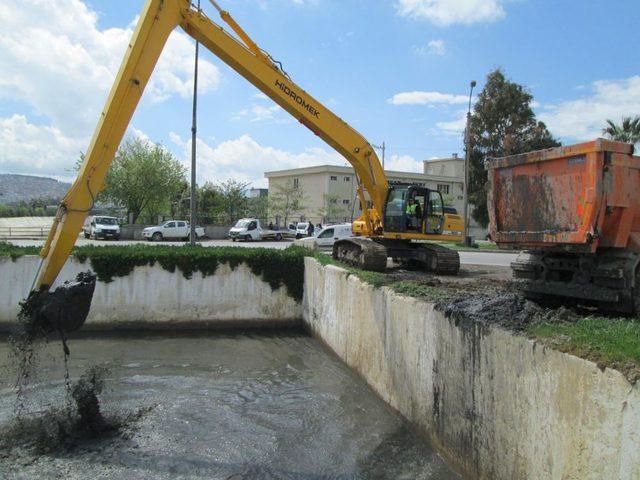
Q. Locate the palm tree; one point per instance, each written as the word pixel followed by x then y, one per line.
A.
pixel 628 131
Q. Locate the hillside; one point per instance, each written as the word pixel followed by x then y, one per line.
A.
pixel 19 188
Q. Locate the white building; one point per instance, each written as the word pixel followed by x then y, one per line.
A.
pixel 337 183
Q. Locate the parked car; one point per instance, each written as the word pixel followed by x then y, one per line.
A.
pixel 171 229
pixel 251 229
pixel 99 226
pixel 327 236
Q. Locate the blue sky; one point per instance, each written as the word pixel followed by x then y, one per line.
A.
pixel 397 70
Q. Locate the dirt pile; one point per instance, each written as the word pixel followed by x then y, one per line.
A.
pixel 507 309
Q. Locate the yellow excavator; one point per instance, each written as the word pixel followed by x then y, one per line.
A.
pixel 396 219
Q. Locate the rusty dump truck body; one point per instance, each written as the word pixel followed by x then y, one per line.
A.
pixel 575 211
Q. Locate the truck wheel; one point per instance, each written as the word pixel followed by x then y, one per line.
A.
pixel 247 238
pixel 233 239
pixel 86 235
pixel 278 236
pixel 156 237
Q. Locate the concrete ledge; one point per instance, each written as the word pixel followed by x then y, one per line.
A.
pixel 497 405
pixel 151 297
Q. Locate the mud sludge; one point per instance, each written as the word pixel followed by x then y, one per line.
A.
pixel 506 309
pixel 68 428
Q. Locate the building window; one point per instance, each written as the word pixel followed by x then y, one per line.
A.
pixel 296 183
pixel 345 202
pixel 333 178
pixel 443 188
pixel 347 179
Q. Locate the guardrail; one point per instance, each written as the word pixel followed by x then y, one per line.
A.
pixel 23 232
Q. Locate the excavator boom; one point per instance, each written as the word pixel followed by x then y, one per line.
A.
pixel 158 19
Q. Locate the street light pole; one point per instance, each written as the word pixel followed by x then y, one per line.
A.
pixel 467 161
pixel 194 130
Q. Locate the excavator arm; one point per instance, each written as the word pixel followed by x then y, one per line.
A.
pixel 158 19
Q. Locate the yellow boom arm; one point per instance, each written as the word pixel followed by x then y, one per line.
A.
pixel 158 19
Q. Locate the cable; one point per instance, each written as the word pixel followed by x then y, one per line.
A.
pixel 93 202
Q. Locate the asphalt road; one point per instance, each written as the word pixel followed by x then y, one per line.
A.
pixel 496 259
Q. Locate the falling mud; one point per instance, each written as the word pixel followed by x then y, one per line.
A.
pixel 66 429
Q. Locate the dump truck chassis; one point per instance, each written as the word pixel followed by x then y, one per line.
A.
pixel 608 279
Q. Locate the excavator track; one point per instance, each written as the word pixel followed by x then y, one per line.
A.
pixel 361 252
pixel 438 259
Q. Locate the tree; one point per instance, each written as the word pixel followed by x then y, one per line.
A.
pixel 179 202
pixel 234 199
pixel 330 211
pixel 628 131
pixel 258 207
pixel 502 123
pixel 143 177
pixel 286 199
pixel 210 203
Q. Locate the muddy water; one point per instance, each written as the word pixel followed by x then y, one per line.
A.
pixel 272 406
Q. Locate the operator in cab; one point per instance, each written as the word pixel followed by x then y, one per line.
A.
pixel 414 213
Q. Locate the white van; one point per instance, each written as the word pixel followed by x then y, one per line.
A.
pixel 100 226
pixel 329 234
pixel 302 230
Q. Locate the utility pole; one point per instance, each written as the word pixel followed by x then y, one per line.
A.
pixel 194 130
pixel 383 148
pixel 467 161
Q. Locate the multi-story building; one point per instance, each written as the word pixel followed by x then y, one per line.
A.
pixel 335 184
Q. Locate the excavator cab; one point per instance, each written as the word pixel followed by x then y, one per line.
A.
pixel 414 209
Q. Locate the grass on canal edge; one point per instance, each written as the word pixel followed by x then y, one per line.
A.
pixel 611 342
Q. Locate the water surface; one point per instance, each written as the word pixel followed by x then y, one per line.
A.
pixel 274 406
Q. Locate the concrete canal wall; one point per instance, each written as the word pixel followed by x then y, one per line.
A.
pixel 151 297
pixel 496 404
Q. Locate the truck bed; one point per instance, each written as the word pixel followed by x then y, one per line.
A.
pixel 573 198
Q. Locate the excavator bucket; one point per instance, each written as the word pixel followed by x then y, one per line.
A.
pixel 62 310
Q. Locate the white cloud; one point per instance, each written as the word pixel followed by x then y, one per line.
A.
pixel 433 47
pixel 403 163
pixel 31 149
pixel 258 113
pixel 584 118
pixel 436 47
pixel 246 160
pixel 425 98
pixel 449 12
pixel 454 127
pixel 55 59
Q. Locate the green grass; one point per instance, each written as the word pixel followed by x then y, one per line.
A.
pixel 376 279
pixel 9 250
pixel 608 341
pixel 419 290
pixel 409 288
